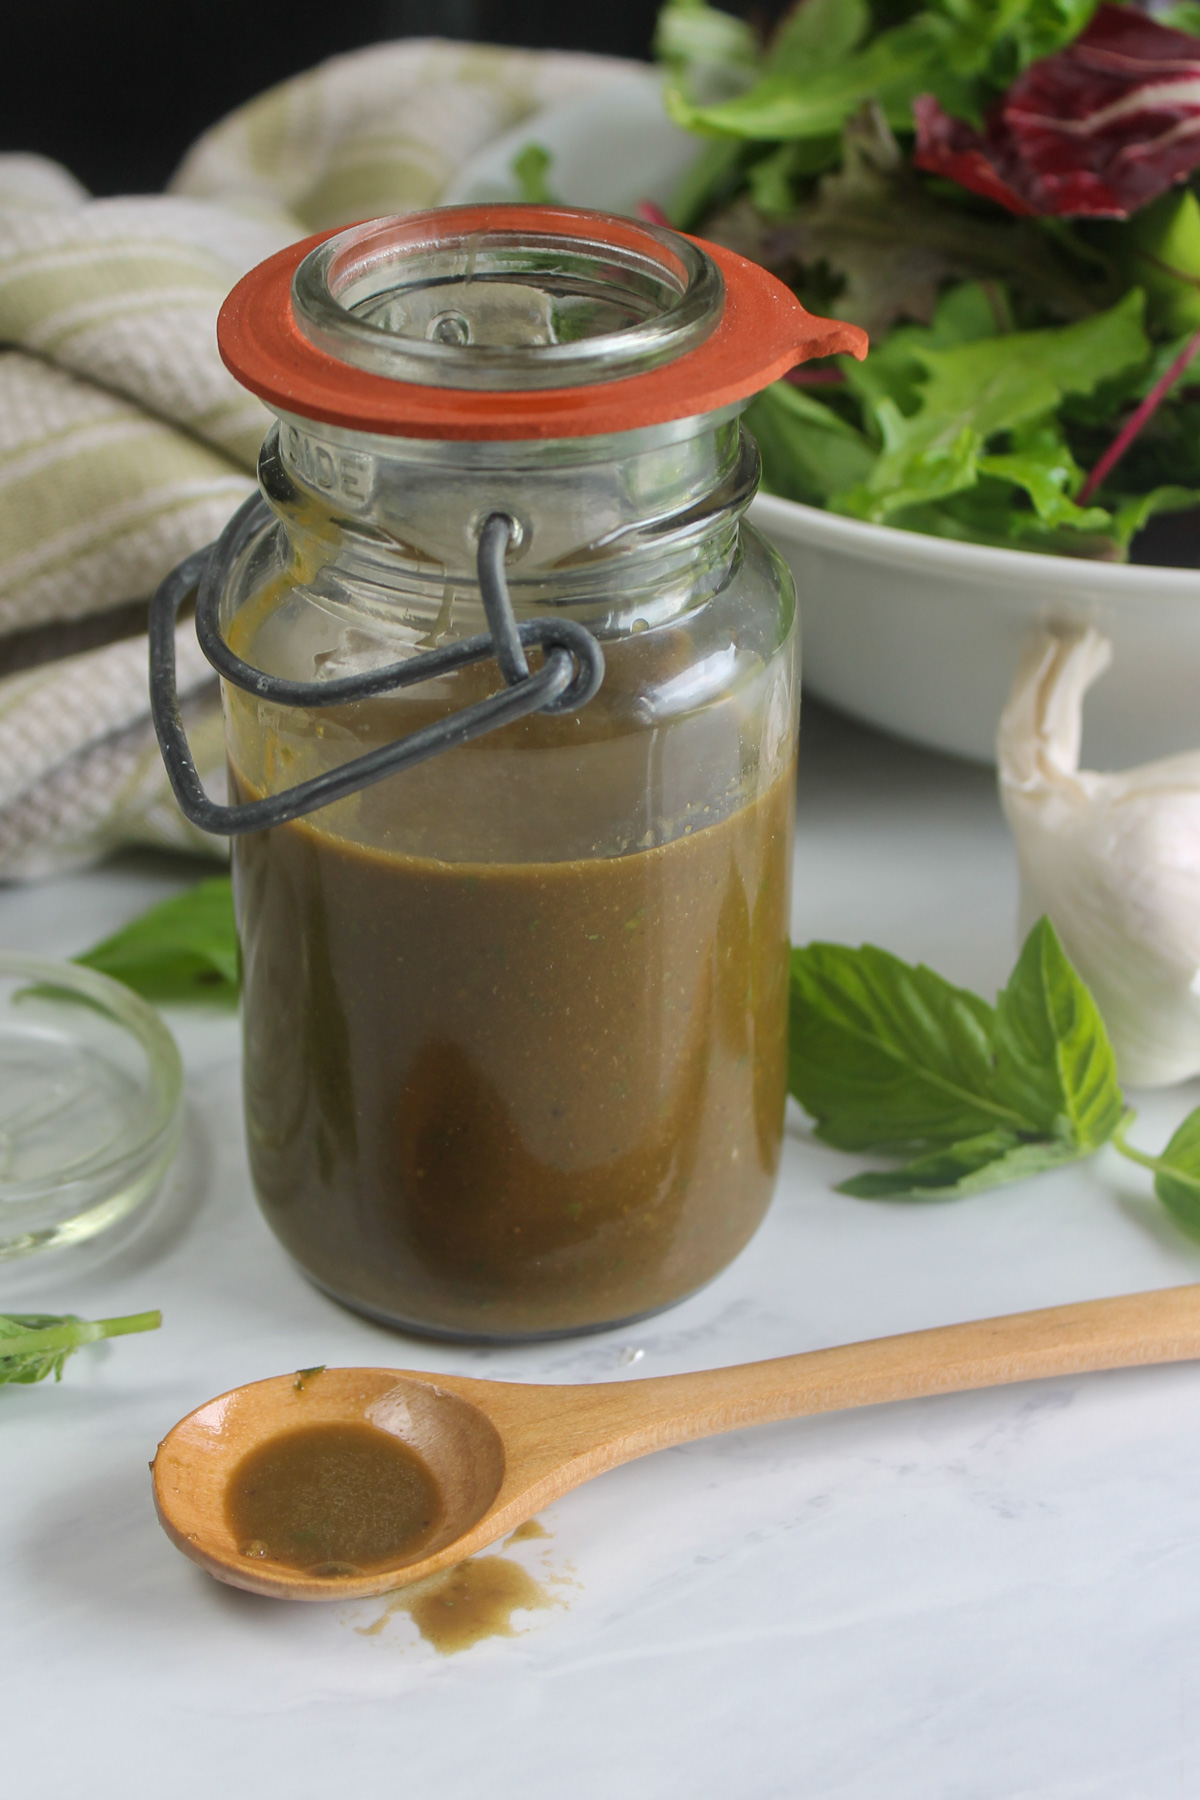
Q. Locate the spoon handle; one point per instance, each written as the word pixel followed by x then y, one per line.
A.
pixel 632 1417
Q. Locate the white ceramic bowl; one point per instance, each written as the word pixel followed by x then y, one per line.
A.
pixel 920 635
pixel 915 634
pixel 608 149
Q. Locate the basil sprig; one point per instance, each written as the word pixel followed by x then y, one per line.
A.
pixel 889 1057
pixel 35 1345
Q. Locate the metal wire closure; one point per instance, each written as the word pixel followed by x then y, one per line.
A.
pixel 572 670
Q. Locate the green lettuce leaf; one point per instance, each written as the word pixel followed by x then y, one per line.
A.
pixel 1159 249
pixel 973 392
pixel 808 451
pixel 1015 33
pixel 1130 515
pixel 709 53
pixel 816 34
pixel 791 100
pixel 1183 16
pixel 531 168
pixel 824 63
pixel 989 513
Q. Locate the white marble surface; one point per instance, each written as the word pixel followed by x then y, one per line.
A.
pixel 979 1597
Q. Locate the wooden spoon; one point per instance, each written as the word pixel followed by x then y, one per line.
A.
pixel 500 1451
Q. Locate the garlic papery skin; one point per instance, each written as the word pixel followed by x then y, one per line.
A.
pixel 1113 859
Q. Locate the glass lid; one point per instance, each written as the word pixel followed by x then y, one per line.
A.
pixel 445 301
pixel 513 322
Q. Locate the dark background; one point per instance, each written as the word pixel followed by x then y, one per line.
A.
pixel 118 89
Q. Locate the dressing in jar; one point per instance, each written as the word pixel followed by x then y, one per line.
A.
pixel 515 1016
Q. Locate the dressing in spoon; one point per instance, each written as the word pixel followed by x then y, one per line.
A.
pixel 350 1482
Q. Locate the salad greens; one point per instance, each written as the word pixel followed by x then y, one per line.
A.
pixel 1012 346
pixel 829 56
pixel 35 1345
pixel 531 168
pixel 891 1058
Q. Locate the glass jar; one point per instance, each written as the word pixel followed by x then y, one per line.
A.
pixel 515 1019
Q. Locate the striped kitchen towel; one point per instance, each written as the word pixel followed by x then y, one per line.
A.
pixel 125 444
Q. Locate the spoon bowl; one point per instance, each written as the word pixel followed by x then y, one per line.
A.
pixel 457 1442
pixel 501 1451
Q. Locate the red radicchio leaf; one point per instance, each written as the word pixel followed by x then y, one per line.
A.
pixel 947 146
pixel 1095 131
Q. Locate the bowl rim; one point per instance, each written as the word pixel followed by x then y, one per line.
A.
pixel 164 1071
pixel 979 562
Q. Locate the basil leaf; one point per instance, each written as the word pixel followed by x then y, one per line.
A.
pixel 1177 1176
pixel 1054 1063
pixel 183 950
pixel 885 1055
pixel 1176 1171
pixel 989 1160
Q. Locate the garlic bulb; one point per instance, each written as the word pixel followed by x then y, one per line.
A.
pixel 1113 859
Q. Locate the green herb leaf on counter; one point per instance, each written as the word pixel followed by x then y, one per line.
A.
pixel 1177 1177
pixel 1176 1171
pixel 182 950
pixel 1054 1062
pixel 888 1056
pixel 991 1160
pixel 35 1345
pixel 891 1057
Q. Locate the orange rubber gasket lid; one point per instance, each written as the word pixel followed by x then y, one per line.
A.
pixel 762 333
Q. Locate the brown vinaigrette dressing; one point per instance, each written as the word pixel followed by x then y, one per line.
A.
pixel 332 1499
pixel 494 1099
pixel 461 1606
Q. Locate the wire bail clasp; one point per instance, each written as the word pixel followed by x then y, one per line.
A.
pixel 571 672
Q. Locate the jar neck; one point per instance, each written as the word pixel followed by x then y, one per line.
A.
pixel 404 514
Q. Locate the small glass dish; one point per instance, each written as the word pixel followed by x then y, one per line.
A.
pixel 91 1089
